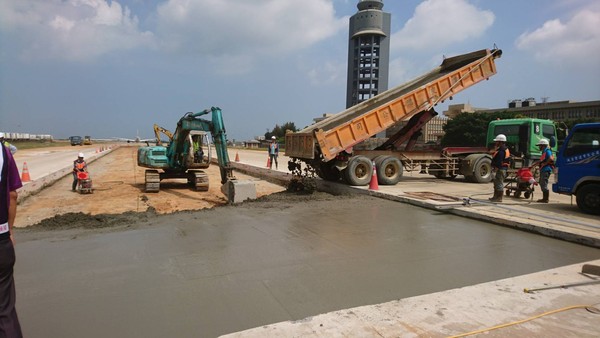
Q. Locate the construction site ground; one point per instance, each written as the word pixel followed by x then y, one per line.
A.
pixel 352 262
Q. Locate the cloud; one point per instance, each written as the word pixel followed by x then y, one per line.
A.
pixel 575 42
pixel 253 29
pixel 439 23
pixel 77 30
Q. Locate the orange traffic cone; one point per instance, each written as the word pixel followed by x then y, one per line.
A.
pixel 25 175
pixel 374 185
pixel 237 157
pixel 269 162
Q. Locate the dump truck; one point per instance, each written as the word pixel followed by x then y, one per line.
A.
pixel 329 147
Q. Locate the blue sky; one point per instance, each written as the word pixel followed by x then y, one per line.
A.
pixel 114 68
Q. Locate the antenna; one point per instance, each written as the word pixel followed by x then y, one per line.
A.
pixel 545 99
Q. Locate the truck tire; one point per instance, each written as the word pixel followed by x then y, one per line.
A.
pixel 482 172
pixel 389 170
pixel 359 171
pixel 588 198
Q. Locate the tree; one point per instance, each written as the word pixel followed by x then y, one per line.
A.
pixel 279 131
pixel 470 129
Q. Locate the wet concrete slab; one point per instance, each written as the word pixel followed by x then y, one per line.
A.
pixel 213 272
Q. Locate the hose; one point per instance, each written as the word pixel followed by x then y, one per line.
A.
pixel 590 308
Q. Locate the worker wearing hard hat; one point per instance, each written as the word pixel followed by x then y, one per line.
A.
pixel 79 166
pixel 546 164
pixel 500 164
pixel 273 152
pixel 10 147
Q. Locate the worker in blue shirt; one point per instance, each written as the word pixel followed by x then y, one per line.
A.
pixel 546 164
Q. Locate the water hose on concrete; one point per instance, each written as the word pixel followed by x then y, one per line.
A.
pixel 589 308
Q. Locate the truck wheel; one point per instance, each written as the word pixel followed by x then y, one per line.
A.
pixel 482 172
pixel 359 171
pixel 389 170
pixel 588 198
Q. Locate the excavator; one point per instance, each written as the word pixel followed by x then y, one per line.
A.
pixel 188 152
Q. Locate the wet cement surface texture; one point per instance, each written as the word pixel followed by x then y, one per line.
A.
pixel 211 272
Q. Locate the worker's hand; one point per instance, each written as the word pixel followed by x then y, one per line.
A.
pixel 12 239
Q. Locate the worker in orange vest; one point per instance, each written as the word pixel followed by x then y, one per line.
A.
pixel 500 164
pixel 79 166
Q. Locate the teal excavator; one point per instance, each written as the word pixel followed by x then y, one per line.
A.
pixel 188 152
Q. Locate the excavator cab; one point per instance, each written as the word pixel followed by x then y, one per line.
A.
pixel 200 150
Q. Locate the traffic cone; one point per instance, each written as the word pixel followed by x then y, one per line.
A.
pixel 25 175
pixel 269 162
pixel 374 185
pixel 237 157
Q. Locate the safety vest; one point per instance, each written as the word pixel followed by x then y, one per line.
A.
pixel 506 161
pixel 550 163
pixel 79 166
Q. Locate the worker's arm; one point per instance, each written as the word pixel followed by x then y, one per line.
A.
pixel 12 213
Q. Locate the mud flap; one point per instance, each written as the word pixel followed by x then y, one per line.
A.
pixel 239 191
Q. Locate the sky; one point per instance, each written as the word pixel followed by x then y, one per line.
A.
pixel 115 68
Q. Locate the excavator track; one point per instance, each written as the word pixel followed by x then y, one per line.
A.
pixel 199 180
pixel 152 181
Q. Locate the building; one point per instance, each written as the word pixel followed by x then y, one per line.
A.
pixel 368 52
pixel 558 111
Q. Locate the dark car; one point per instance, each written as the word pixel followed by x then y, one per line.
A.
pixel 76 140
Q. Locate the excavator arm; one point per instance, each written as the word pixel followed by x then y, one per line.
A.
pixel 158 130
pixel 192 121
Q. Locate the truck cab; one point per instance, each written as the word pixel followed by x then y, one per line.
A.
pixel 522 136
pixel 577 169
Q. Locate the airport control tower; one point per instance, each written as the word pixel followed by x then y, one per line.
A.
pixel 368 52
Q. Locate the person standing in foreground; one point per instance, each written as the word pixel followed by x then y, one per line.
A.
pixel 546 164
pixel 9 183
pixel 273 152
pixel 500 164
pixel 79 166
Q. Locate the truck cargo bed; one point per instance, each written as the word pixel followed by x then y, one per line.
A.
pixel 370 117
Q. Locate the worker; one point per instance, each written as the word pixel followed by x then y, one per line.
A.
pixel 546 164
pixel 500 164
pixel 273 152
pixel 197 148
pixel 11 147
pixel 79 166
pixel 9 183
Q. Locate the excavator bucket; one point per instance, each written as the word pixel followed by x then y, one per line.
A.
pixel 239 191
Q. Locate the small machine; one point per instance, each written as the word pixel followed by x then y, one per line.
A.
pixel 521 182
pixel 84 185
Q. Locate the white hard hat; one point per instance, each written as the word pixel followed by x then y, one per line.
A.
pixel 543 142
pixel 273 137
pixel 500 138
pixel 80 155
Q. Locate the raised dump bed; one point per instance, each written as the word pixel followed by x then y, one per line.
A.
pixel 324 140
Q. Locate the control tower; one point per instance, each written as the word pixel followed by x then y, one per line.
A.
pixel 368 52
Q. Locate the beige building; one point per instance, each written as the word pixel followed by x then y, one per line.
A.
pixel 556 111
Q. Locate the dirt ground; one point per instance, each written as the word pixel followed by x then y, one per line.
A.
pixel 119 188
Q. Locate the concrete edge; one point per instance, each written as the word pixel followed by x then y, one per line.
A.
pixel 35 186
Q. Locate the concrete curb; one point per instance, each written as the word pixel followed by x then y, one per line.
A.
pixel 35 186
